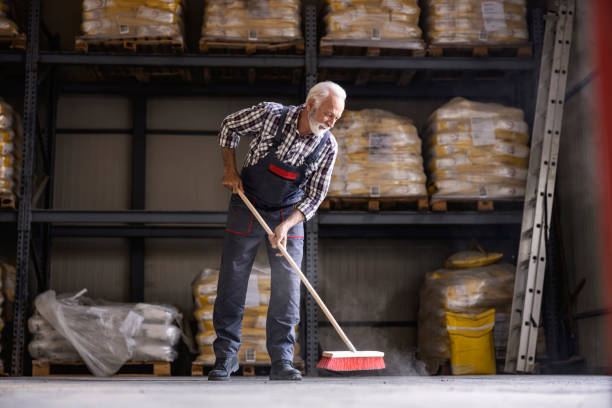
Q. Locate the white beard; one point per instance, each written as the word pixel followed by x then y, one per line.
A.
pixel 317 128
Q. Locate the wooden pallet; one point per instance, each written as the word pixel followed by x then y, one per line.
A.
pixel 251 47
pixel 246 369
pixel 129 369
pixel 7 200
pixel 152 45
pixel 17 42
pixel 375 204
pixel 370 48
pixel 475 205
pixel 480 50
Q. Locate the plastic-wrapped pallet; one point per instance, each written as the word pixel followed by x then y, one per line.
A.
pixel 377 20
pixel 116 19
pixel 475 21
pixel 103 335
pixel 476 151
pixel 252 20
pixel 8 28
pixel 253 348
pixel 11 132
pixel 379 155
pixel 471 291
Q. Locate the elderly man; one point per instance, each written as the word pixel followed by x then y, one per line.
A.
pixel 286 175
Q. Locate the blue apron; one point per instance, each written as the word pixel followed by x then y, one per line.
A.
pixel 273 187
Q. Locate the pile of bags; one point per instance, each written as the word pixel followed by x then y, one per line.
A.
pixel 379 155
pixel 116 19
pixel 8 28
pixel 8 283
pixel 475 21
pixel 472 283
pixel 476 151
pixel 252 20
pixel 373 20
pixel 104 335
pixel 11 133
pixel 253 348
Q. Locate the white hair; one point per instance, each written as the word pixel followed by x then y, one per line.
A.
pixel 322 90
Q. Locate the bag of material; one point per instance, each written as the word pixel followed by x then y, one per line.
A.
pixel 379 155
pixel 102 334
pixel 104 337
pixel 11 131
pixel 8 27
pixel 476 151
pixel 471 342
pixel 252 20
pixel 117 19
pixel 204 289
pixel 470 291
pixel 472 259
pixel 475 21
pixel 374 20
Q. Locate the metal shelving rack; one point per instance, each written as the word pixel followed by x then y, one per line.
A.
pixel 139 223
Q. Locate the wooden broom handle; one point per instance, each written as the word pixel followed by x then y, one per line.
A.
pixel 297 270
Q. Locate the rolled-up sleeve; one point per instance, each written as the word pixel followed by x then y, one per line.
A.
pixel 245 122
pixel 317 185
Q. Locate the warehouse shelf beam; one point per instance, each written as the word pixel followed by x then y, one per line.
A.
pixel 417 218
pixel 428 63
pixel 137 232
pixel 129 216
pixel 180 90
pixel 184 60
pixel 352 62
pixel 12 57
pixel 182 132
pixel 343 218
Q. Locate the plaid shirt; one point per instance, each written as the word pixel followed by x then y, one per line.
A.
pixel 261 122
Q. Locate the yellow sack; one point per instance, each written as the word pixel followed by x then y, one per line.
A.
pixel 471 342
pixel 472 259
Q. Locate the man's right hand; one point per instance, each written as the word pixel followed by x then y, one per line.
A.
pixel 232 181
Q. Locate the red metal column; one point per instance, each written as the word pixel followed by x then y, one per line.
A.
pixel 602 14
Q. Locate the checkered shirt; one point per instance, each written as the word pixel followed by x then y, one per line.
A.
pixel 261 123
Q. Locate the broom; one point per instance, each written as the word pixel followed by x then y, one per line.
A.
pixel 352 360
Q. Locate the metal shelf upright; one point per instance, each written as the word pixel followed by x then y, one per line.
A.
pixel 24 214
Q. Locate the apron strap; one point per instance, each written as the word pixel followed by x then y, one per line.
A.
pixel 315 154
pixel 279 132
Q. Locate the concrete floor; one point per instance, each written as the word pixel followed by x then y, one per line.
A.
pixel 448 392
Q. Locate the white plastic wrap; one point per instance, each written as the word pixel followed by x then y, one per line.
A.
pixel 104 335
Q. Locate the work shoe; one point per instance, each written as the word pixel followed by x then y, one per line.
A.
pixel 223 368
pixel 283 370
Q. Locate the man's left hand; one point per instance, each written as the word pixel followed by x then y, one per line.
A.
pixel 279 238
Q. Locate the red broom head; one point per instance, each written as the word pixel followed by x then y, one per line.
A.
pixel 351 363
